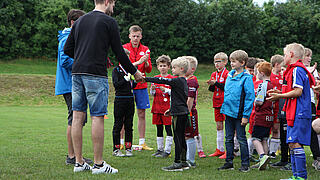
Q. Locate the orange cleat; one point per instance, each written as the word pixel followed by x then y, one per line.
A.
pixel 217 153
pixel 201 154
pixel 224 156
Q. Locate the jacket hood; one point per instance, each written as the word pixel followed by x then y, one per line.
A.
pixel 64 33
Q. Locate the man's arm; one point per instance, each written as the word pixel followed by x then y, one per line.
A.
pixel 160 80
pixel 296 92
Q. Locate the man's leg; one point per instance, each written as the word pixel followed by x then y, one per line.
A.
pixel 97 134
pixel 76 134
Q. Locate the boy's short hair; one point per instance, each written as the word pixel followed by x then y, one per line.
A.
pixel 164 59
pixel 276 59
pixel 192 60
pixel 239 55
pixel 73 15
pixel 221 55
pixel 181 62
pixel 135 28
pixel 251 62
pixel 297 49
pixel 264 67
pixel 307 52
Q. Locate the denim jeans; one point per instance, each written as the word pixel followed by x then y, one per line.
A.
pixel 233 125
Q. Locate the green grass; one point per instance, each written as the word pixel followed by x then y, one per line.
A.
pixel 33 135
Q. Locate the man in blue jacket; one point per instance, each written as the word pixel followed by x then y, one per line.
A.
pixel 63 79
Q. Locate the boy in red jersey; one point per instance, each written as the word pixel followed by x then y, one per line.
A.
pixel 276 81
pixel 161 103
pixel 216 83
pixel 263 120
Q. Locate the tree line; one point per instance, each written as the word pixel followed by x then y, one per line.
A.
pixel 29 28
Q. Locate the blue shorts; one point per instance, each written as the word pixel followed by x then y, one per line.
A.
pixel 92 90
pixel 300 132
pixel 142 98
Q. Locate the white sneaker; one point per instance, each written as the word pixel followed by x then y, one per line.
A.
pixel 117 153
pixel 107 169
pixel 85 167
pixel 129 153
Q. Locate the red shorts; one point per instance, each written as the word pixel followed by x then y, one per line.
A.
pixel 218 117
pixel 160 119
pixel 193 130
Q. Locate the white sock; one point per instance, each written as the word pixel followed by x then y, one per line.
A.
pixel 122 141
pixel 160 143
pixel 191 149
pixel 199 142
pixel 141 141
pixel 169 140
pixel 250 146
pixel 236 143
pixel 274 145
pixel 220 140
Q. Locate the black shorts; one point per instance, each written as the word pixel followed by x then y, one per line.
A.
pixel 260 133
pixel 68 99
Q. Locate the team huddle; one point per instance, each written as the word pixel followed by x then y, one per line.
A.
pixel 276 98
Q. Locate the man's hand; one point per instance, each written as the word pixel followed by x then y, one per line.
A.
pixel 244 121
pixel 138 76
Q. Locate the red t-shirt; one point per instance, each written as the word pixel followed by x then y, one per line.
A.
pixel 161 101
pixel 135 55
pixel 218 94
pixel 193 86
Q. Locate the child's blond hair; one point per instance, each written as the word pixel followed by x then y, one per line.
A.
pixel 192 60
pixel 164 59
pixel 239 55
pixel 276 59
pixel 264 67
pixel 181 62
pixel 221 55
pixel 297 49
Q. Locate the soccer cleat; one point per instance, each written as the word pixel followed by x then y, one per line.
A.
pixel 201 154
pixel 255 166
pixel 244 169
pixel 121 146
pixel 158 152
pixel 81 167
pixel 286 167
pixel 191 164
pixel 117 153
pixel 106 168
pixel 226 166
pixel 278 164
pixel 224 156
pixel 129 153
pixel 272 155
pixel 145 147
pixel 164 155
pixel 264 162
pixel 185 165
pixel 174 167
pixel 72 161
pixel 217 153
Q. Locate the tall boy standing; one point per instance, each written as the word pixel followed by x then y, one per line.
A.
pixel 296 88
pixel 178 109
pixel 237 106
pixel 161 102
pixel 217 82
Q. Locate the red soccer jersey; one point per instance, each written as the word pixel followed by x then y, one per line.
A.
pixel 264 114
pixel 276 81
pixel 161 101
pixel 218 94
pixel 135 55
pixel 193 86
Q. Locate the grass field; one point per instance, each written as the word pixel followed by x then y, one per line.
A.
pixel 33 141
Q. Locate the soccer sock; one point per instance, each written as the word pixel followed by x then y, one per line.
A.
pixel 293 163
pixel 141 141
pixel 199 143
pixel 160 143
pixel 274 145
pixel 191 149
pixel 169 140
pixel 250 146
pixel 300 160
pixel 122 141
pixel 220 140
pixel 236 143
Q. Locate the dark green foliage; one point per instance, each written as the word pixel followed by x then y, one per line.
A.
pixel 201 28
